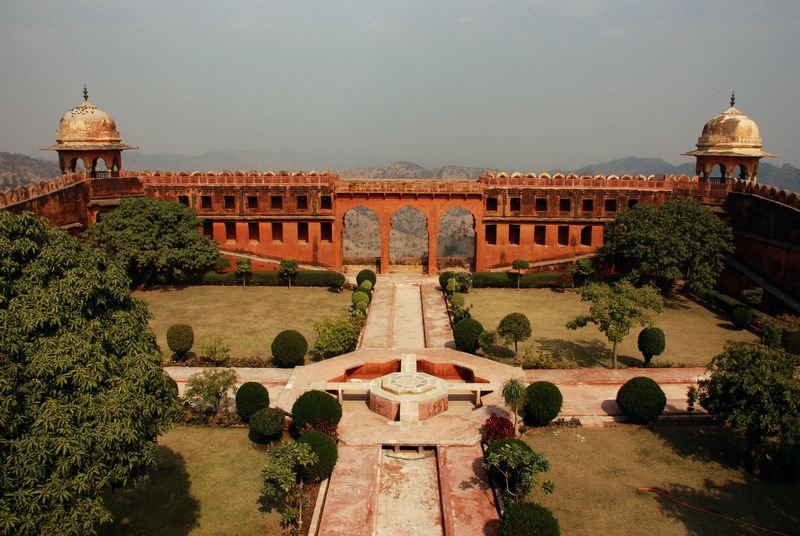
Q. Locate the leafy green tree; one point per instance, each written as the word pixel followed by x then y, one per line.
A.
pixel 82 393
pixel 616 309
pixel 516 465
pixel 651 342
pixel 755 388
pixel 518 265
pixel 581 271
pixel 288 269
pixel 244 269
pixel 514 327
pixel 149 237
pixel 661 244
pixel 514 395
pixel 283 486
pixel 211 388
pixel 753 296
pixel 337 336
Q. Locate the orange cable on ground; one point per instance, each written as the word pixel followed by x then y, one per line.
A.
pixel 714 514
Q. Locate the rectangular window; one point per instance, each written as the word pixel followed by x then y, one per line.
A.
pixel 516 204
pixel 586 236
pixel 277 231
pixel 632 203
pixel 565 204
pixel 230 231
pixel 563 235
pixel 588 205
pixel 253 231
pixel 252 202
pixel 230 202
pixel 326 231
pixel 183 200
pixel 302 232
pixel 205 201
pixel 302 202
pixel 326 202
pixel 540 235
pixel 611 205
pixel 513 235
pixel 208 228
pixel 276 202
pixel 491 204
pixel 541 204
pixel 491 234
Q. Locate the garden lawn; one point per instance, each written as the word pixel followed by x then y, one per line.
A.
pixel 208 481
pixel 246 318
pixel 597 473
pixel 694 334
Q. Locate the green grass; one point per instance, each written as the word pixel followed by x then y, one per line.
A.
pixel 247 319
pixel 693 333
pixel 207 482
pixel 597 473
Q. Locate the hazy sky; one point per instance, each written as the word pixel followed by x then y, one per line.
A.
pixel 515 85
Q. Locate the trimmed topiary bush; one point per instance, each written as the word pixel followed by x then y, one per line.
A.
pixel 180 338
pixel 327 453
pixel 641 399
pixel 360 296
pixel 289 349
pixel 464 280
pixel 496 428
pixel 266 425
pixel 313 404
pixel 651 343
pixel 457 299
pixel 543 401
pixel 741 316
pixel 791 341
pixel 366 275
pixel 466 333
pixel 528 518
pixel 366 285
pixel 251 397
pixel 444 277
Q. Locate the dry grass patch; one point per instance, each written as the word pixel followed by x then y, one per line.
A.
pixel 208 481
pixel 246 319
pixel 598 471
pixel 694 334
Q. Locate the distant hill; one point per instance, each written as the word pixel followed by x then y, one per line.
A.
pixel 19 169
pixel 410 170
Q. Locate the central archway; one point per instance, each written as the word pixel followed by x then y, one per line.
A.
pixel 361 239
pixel 408 241
pixel 455 242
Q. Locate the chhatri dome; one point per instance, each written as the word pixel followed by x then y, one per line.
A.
pixel 88 134
pixel 729 139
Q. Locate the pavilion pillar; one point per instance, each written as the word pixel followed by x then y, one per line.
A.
pixel 433 235
pixel 385 224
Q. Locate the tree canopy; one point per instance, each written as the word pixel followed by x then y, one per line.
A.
pixel 616 309
pixel 514 327
pixel 82 392
pixel 680 239
pixel 150 237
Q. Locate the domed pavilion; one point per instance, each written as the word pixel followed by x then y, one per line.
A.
pixel 729 140
pixel 88 135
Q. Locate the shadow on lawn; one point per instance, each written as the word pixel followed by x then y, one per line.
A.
pixel 162 504
pixel 591 353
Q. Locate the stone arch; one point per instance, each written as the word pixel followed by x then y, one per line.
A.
pixel 455 241
pixel 361 237
pixel 718 171
pixel 408 239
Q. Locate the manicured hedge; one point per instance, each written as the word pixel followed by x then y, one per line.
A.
pixel 543 401
pixel 508 280
pixel 741 316
pixel 466 333
pixel 641 399
pixel 289 348
pixel 268 278
pixel 250 398
pixel 266 425
pixel 313 404
pixel 180 338
pixel 720 300
pixel 366 275
pixel 528 518
pixel 327 453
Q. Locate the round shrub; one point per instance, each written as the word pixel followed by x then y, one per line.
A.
pixel 180 338
pixel 741 316
pixel 542 403
pixel 791 341
pixel 315 404
pixel 266 425
pixel 457 299
pixel 366 275
pixel 289 349
pixel 360 296
pixel 466 333
pixel 366 284
pixel 444 277
pixel 251 397
pixel 651 342
pixel 528 518
pixel 641 399
pixel 517 445
pixel 327 453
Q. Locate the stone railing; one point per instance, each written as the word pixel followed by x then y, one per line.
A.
pixel 411 186
pixel 31 191
pixel 784 197
pixel 238 177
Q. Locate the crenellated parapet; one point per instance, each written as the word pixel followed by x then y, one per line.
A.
pixel 784 197
pixel 238 177
pixel 28 192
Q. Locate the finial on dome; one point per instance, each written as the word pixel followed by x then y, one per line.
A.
pixel 86 93
pixel 733 98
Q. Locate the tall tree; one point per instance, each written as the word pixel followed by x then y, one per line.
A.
pixel 244 269
pixel 150 237
pixel 680 239
pixel 616 309
pixel 514 396
pixel 514 327
pixel 82 392
pixel 288 269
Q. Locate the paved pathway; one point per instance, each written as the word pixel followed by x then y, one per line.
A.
pixel 351 502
